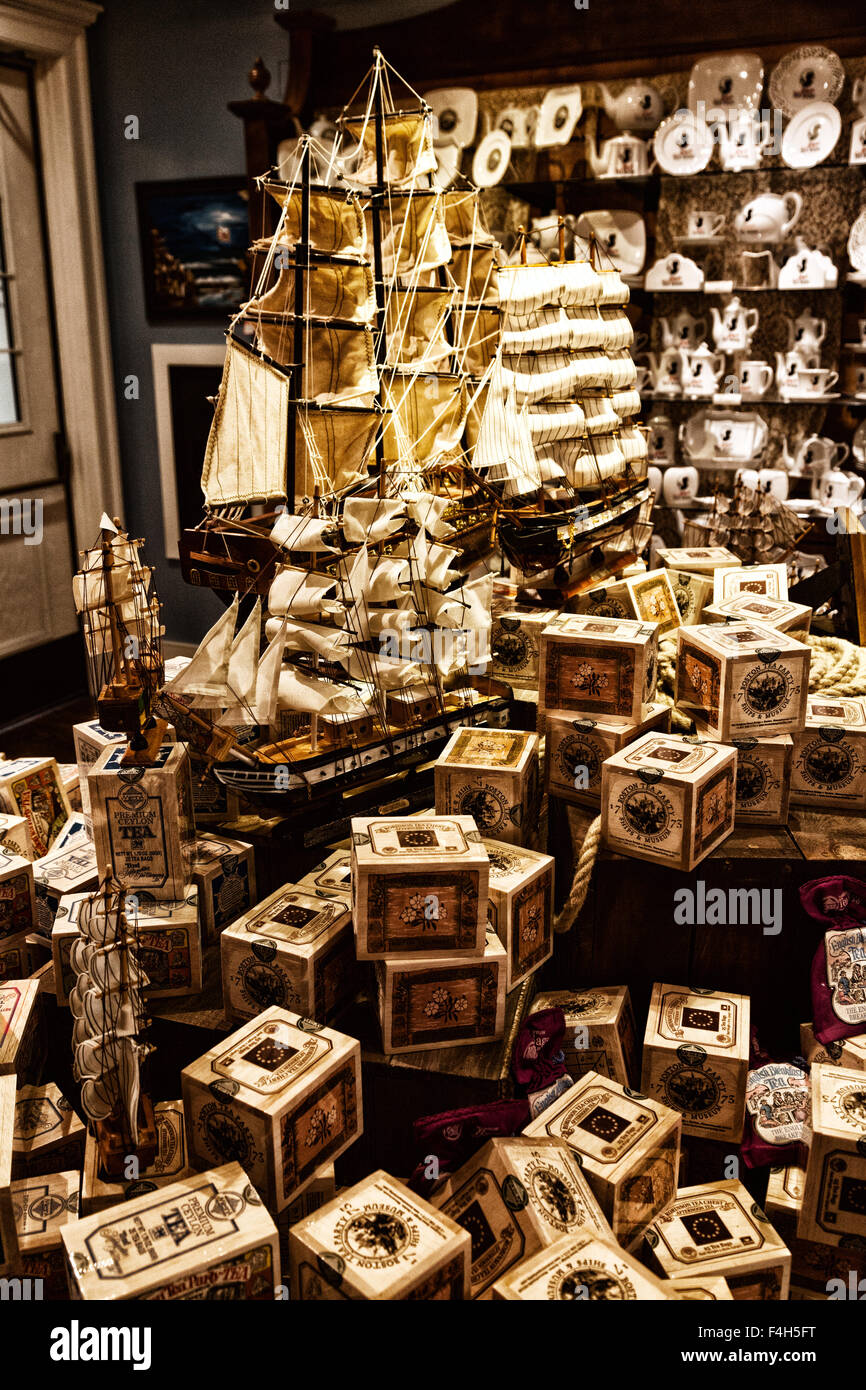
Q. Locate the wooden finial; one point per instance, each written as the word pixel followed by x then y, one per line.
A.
pixel 561 228
pixel 521 232
pixel 259 78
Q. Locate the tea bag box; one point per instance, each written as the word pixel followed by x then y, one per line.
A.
pixel 491 775
pixel 602 667
pixel 742 679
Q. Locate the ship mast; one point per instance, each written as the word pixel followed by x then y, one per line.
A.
pixel 376 204
pixel 302 271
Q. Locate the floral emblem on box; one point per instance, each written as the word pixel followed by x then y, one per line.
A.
pixel 446 1005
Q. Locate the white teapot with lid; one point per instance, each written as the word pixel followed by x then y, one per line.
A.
pixel 639 106
pixel 806 333
pixel 770 217
pixel 683 331
pixel 701 370
pixel 734 327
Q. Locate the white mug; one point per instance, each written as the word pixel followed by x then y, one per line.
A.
pixel 704 223
pixel 755 378
pixel 661 439
pixel 836 489
pixel 817 453
pixel 744 141
pixel 858 95
pixel 654 478
pixel 680 485
pixel 774 481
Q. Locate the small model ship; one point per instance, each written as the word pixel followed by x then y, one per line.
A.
pixel 557 439
pixel 755 526
pixel 115 595
pixel 110 1053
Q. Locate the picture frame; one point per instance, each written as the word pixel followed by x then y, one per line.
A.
pixel 184 376
pixel 194 237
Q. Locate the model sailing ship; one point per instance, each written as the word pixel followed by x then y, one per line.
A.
pixel 116 597
pixel 369 413
pixel 110 1051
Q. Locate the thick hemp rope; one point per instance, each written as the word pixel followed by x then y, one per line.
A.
pixel 838 668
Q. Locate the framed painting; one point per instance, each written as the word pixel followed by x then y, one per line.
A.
pixel 194 248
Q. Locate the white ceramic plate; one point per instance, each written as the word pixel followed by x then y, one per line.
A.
pixel 810 136
pixel 857 243
pixel 491 159
pixel 622 235
pixel 559 113
pixel 683 144
pixel 726 82
pixel 808 73
pixel 455 115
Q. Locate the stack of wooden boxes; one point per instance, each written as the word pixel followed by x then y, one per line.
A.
pixel 419 904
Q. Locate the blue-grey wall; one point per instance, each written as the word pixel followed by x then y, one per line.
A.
pixel 175 64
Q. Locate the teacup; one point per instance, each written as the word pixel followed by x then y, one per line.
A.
pixel 816 381
pixel 755 378
pixel 703 223
pixel 748 477
pixel 519 124
pixel 840 489
pixel 680 485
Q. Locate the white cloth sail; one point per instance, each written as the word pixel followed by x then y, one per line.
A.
pixel 339 291
pixel 389 579
pixel 243 670
pixel 338 363
pixel 336 219
pixel 414 235
pixel 407 140
pixel 504 449
pixel 367 520
pixel 297 533
pixel 553 375
pixel 96 588
pixel 299 591
pixel 427 510
pixel 245 459
pixel 267 677
pixel 523 290
pixel 205 678
pixel 316 695
pixel 415 322
pixel 429 411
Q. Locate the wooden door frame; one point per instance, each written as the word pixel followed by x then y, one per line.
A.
pixel 53 33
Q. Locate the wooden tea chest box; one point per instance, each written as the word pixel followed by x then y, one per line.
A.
pixel 18 958
pixel 282 1095
pixel 609 600
pixel 8 1232
pixel 604 667
pixel 600 1033
pixel 813 1263
pixel 746 607
pixel 628 1146
pixel 71 869
pixel 22 1033
pixel 848 1053
pixel 584 1266
pixel 99 1190
pixel 419 885
pixel 520 907
pixel 829 759
pixel 90 740
pixel 762 581
pixel 296 950
pixel 32 788
pixel 712 1289
pixel 718 1228
pixel 429 1002
pixel 742 680
pixel 224 872
pixel 321 1190
pixel 834 1200
pixel 515 637
pixel 492 776
pixel 48 1136
pixel 577 745
pixel 43 1206
pixel 17 895
pixel 514 1197
pixel 704 559
pixel 378 1241
pixel 15 837
pixel 696 1058
pixel 692 592
pixel 654 601
pixel 169 939
pixel 208 1236
pixel 668 798
pixel 333 876
pixel 763 780
pixel 143 819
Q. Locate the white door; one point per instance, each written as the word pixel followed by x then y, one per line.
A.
pixel 35 550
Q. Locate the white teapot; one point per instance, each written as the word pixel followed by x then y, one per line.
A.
pixel 639 106
pixel 666 369
pixel 701 370
pixel 621 157
pixel 770 217
pixel 683 331
pixel 734 327
pixel 806 333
